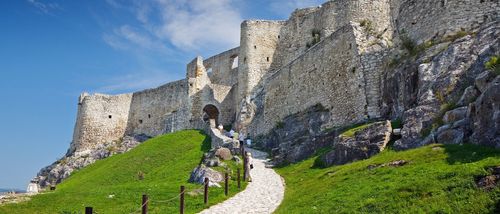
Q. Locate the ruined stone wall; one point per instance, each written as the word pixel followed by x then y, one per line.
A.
pixel 149 109
pixel 327 74
pixel 422 20
pixel 296 35
pixel 259 40
pixel 100 118
pixel 223 80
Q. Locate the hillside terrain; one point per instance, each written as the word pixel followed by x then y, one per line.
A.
pixel 431 179
pixel 113 185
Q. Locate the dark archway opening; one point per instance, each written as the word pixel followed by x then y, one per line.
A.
pixel 211 115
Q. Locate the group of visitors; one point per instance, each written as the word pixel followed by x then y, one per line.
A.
pixel 241 137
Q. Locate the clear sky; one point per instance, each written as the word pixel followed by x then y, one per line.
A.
pixel 52 50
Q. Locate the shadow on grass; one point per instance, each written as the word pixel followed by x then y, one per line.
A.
pixel 207 142
pixel 468 153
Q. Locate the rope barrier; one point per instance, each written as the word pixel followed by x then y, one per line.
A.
pixel 140 208
pixel 168 200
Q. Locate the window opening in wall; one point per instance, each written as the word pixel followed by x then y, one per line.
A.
pixel 245 60
pixel 109 116
pixel 234 62
pixel 279 37
pixel 267 59
pixel 191 84
pixel 255 47
pixel 149 116
pixel 140 121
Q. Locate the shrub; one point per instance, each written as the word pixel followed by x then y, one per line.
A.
pixel 368 25
pixel 493 64
pixel 280 125
pixel 316 37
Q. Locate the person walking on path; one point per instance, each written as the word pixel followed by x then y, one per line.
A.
pixel 248 166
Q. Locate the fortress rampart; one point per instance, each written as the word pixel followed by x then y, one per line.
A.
pixel 331 55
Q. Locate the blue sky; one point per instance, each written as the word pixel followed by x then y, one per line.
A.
pixel 51 51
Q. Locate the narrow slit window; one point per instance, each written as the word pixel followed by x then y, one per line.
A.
pixel 140 121
pixel 110 116
pixel 267 59
pixel 149 116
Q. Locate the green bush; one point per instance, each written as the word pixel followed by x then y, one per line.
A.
pixel 493 64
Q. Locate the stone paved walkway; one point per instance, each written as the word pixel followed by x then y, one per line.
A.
pixel 263 195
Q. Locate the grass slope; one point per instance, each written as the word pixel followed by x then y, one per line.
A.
pixel 166 162
pixel 438 179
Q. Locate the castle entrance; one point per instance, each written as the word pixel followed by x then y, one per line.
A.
pixel 211 115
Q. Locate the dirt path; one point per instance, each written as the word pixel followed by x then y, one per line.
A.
pixel 263 195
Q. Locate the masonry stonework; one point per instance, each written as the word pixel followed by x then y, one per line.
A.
pixel 332 55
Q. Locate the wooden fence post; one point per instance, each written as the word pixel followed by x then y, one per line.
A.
pixel 244 167
pixel 226 176
pixel 88 210
pixel 144 204
pixel 205 192
pixel 182 200
pixel 239 180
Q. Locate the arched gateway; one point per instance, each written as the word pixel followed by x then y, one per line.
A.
pixel 211 115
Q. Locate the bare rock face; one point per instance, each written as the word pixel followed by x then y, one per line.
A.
pixel 299 136
pixel 419 90
pixel 470 94
pixel 486 116
pixel 365 143
pixel 201 172
pixel 415 121
pixel 63 168
pixel 455 115
pixel 451 136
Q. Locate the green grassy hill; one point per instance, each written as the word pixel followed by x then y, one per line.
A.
pixel 437 179
pixel 166 162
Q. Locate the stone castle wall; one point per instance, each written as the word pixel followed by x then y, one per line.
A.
pixel 326 19
pixel 259 40
pixel 223 82
pixel 149 109
pixel 332 66
pixel 101 118
pixel 278 70
pixel 423 20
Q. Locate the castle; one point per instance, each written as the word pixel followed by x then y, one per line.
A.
pixel 333 55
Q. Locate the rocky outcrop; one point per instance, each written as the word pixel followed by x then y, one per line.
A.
pixel 201 172
pixel 298 136
pixel 485 116
pixel 63 168
pixel 364 144
pixel 432 92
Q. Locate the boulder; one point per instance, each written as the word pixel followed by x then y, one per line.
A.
pixel 415 121
pixel 224 153
pixel 237 159
pixel 365 143
pixel 483 79
pixel 201 172
pixel 211 162
pixel 485 116
pixel 470 94
pixel 455 115
pixel 451 136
